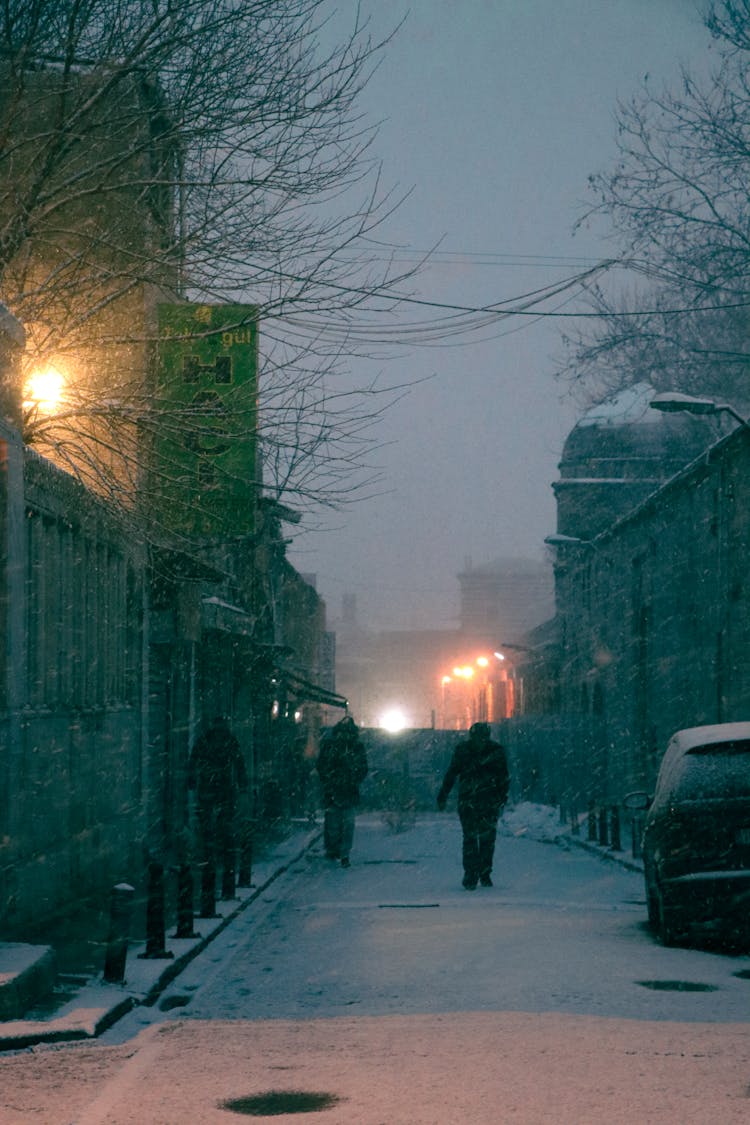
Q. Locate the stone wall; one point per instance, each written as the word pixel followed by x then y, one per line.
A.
pixel 71 809
pixel 654 625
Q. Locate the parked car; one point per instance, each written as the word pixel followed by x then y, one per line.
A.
pixel 696 836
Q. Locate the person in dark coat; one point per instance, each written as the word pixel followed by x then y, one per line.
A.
pixel 342 767
pixel 217 774
pixel 481 767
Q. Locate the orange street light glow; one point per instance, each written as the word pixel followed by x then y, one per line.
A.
pixel 44 390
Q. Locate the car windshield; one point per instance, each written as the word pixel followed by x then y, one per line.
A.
pixel 740 746
pixel 717 770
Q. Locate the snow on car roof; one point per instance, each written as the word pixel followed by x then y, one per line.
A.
pixel 704 736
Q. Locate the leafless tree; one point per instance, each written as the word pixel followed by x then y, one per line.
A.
pixel 206 150
pixel 678 203
pixel 729 22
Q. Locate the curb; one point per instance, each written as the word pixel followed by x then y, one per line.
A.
pixel 605 853
pixel 32 975
pixel 97 1006
pixel 178 964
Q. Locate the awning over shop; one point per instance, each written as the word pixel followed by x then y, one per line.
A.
pixel 304 689
pixel 227 618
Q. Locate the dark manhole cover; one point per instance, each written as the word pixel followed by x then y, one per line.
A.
pixel 273 1103
pixel 371 862
pixel 407 905
pixel 678 986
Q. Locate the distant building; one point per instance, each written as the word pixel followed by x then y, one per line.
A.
pixel 618 454
pixel 413 671
pixel 503 599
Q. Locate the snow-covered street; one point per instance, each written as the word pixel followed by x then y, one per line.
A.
pixel 408 999
pixel 559 931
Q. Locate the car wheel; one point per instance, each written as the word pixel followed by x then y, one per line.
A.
pixel 652 908
pixel 667 929
pixel 652 897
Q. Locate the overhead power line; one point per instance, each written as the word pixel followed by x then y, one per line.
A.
pixel 458 320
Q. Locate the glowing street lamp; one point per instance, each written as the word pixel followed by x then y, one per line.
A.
pixel 394 720
pixel 44 390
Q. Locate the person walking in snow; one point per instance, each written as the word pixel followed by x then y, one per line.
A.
pixel 342 767
pixel 481 767
pixel 217 774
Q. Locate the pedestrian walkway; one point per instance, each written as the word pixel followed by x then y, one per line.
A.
pixel 85 1008
pixel 387 994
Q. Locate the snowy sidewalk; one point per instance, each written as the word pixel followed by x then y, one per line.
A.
pixel 94 1006
pixel 542 822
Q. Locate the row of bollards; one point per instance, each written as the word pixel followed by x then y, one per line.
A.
pixel 123 894
pixel 604 826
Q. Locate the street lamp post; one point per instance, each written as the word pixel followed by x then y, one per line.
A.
pixel 673 402
pixel 568 541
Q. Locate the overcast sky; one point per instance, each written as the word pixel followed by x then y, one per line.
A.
pixel 494 112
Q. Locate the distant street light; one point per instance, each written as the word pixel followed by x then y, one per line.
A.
pixel 393 721
pixel 673 402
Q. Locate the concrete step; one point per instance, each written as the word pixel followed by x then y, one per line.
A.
pixel 27 976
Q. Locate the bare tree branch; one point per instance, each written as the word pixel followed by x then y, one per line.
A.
pixel 205 150
pixel 678 202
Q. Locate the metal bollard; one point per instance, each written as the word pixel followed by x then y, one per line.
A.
pixel 245 874
pixel 185 903
pixel 614 830
pixel 155 928
pixel 208 890
pixel 603 838
pixel 120 909
pixel 228 873
pixel 592 822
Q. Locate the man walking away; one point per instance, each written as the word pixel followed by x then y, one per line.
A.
pixel 342 767
pixel 217 774
pixel 481 767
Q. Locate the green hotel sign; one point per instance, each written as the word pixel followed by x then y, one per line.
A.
pixel 203 465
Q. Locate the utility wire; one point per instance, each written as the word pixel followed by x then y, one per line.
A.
pixel 463 320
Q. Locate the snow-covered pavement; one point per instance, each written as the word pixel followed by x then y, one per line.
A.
pixel 397 934
pixel 463 1068
pixel 406 1000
